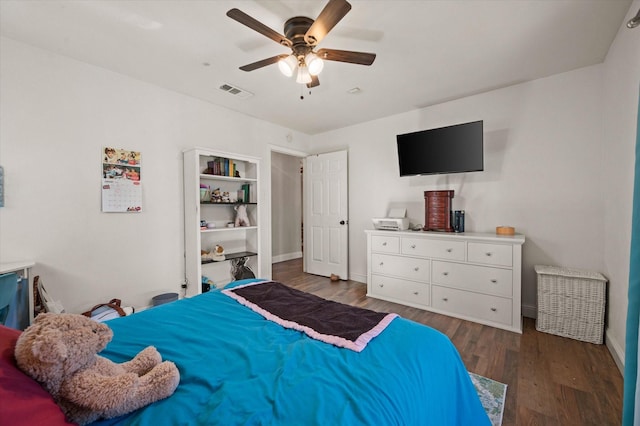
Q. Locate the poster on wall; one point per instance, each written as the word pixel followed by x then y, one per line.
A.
pixel 121 180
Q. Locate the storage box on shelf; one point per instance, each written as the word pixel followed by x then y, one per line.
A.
pixel 437 208
pixel 472 276
pixel 571 303
pixel 215 184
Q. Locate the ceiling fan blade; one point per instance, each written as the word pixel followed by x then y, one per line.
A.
pixel 258 26
pixel 314 82
pixel 332 13
pixel 360 58
pixel 262 63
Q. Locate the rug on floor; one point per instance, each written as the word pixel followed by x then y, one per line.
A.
pixel 492 395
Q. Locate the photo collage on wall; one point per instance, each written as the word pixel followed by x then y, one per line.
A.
pixel 121 180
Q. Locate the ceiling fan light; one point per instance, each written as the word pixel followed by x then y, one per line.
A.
pixel 288 65
pixel 303 76
pixel 314 63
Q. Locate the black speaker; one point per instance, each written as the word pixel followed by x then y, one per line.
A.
pixel 458 221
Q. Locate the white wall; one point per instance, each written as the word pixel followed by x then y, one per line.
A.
pixel 57 114
pixel 286 202
pixel 621 90
pixel 543 171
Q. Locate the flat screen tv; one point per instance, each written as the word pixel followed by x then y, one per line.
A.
pixel 451 149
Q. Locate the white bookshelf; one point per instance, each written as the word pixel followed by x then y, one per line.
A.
pixel 237 241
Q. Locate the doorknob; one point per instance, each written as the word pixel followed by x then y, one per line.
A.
pixel 342 222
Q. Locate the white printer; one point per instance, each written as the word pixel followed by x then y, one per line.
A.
pixel 396 221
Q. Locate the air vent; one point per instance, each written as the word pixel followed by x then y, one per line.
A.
pixel 236 91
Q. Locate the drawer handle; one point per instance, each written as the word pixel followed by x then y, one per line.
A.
pixel 445 273
pixel 494 281
pixel 445 299
pixel 488 253
pixel 413 246
pixel 415 292
pixel 449 250
pixel 493 309
pixel 384 244
pixel 416 269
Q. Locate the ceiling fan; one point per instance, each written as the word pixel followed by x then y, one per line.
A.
pixel 302 35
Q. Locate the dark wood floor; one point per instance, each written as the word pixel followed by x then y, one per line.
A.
pixel 551 380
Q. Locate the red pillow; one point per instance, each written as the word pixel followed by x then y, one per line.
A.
pixel 22 399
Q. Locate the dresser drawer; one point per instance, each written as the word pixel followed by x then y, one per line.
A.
pixel 401 290
pixel 481 279
pixel 442 249
pixel 399 266
pixel 384 243
pixel 474 305
pixel 490 254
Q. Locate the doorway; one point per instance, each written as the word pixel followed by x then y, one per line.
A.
pixel 286 206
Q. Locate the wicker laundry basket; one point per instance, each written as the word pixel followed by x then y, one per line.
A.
pixel 571 303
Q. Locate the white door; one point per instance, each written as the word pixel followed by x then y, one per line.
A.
pixel 326 224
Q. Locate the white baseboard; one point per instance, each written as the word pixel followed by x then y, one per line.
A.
pixel 529 311
pixel 358 277
pixel 286 256
pixel 616 351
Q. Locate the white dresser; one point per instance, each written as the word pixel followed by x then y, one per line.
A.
pixel 473 276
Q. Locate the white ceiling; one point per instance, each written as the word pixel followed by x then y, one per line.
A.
pixel 427 51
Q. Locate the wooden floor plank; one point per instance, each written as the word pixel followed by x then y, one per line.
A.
pixel 551 380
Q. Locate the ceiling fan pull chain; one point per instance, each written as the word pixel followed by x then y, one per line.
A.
pixel 302 93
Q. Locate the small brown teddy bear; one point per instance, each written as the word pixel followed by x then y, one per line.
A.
pixel 216 196
pixel 60 352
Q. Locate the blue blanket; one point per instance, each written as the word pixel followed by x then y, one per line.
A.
pixel 238 368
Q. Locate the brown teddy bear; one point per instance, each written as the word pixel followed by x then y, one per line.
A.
pixel 60 352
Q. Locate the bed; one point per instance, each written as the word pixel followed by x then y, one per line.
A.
pixel 237 367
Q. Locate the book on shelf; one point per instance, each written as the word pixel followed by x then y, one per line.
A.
pixel 214 167
pixel 222 167
pixel 245 192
